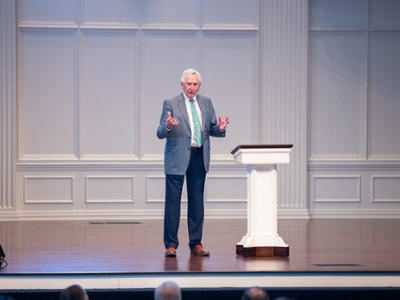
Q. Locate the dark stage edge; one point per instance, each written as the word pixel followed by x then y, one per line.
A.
pixel 221 293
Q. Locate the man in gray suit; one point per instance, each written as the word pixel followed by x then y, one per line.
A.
pixel 187 122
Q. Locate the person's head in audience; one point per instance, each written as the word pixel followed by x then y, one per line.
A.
pixel 74 292
pixel 169 290
pixel 255 293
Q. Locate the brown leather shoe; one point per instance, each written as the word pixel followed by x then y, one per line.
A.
pixel 198 250
pixel 170 252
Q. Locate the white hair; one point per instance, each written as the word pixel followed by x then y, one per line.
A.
pixel 190 71
pixel 169 290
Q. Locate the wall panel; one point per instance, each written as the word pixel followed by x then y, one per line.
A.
pixel 47 13
pixel 336 188
pixel 384 94
pixel 384 14
pixel 109 189
pixel 109 94
pixel 230 14
pixel 47 94
pixel 171 14
pixel 104 13
pixel 386 188
pixel 338 14
pixel 337 95
pixel 48 189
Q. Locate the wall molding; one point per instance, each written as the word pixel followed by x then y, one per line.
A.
pixel 353 165
pixel 354 213
pixel 112 177
pixel 374 200
pixel 49 201
pixel 8 94
pixel 314 187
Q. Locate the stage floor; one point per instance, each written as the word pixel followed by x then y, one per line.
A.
pixel 343 249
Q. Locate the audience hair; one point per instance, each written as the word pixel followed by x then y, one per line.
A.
pixel 169 290
pixel 74 292
pixel 255 293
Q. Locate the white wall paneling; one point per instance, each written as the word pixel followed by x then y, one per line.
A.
pixel 7 108
pixel 173 14
pixel 384 91
pixel 337 95
pixel 48 189
pixel 92 76
pixel 110 14
pixel 109 96
pixel 283 109
pixel 386 188
pixel 354 107
pixel 109 189
pixel 47 13
pixel 47 94
pixel 338 15
pixel 228 14
pixel 336 188
pixel 384 15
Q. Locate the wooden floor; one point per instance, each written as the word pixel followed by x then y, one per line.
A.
pixel 79 247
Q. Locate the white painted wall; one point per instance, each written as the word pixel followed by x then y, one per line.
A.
pixel 354 108
pixel 83 84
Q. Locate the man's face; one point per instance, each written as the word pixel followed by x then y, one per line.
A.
pixel 191 85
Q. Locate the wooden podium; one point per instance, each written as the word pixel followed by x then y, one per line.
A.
pixel 262 237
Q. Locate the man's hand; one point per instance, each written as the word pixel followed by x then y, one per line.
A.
pixel 171 122
pixel 223 124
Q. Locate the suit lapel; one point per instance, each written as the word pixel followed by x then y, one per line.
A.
pixel 183 109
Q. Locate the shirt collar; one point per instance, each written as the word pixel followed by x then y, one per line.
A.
pixel 187 98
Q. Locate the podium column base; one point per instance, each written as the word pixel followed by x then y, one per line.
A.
pixel 262 251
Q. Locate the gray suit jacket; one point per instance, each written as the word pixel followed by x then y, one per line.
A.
pixel 177 146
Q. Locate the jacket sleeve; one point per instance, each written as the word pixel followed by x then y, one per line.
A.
pixel 214 126
pixel 162 131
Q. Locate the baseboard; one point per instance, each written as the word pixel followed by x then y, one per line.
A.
pixel 209 214
pixel 8 216
pixel 355 213
pixel 293 214
pixel 113 215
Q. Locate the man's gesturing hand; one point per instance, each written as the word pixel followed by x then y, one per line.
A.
pixel 171 122
pixel 223 124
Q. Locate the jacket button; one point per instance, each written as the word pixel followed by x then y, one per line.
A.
pixel 189 148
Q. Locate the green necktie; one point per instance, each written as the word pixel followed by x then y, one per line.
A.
pixel 196 124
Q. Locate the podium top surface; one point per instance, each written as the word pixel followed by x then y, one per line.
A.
pixel 258 146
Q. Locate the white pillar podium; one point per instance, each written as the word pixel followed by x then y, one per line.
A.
pixel 262 237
